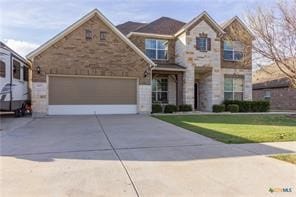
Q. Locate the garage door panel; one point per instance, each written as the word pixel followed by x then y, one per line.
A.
pixel 92 91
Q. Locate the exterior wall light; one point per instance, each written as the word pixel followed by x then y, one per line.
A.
pixel 146 73
pixel 38 69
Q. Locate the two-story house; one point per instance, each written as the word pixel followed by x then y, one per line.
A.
pixel 198 63
pixel 95 67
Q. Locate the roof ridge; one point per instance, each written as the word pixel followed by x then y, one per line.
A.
pixel 174 23
pixel 131 22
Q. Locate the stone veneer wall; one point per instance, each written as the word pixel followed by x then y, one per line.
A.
pixel 74 55
pixel 172 90
pixel 39 98
pixel 247 80
pixel 206 93
pixel 144 99
pixel 196 61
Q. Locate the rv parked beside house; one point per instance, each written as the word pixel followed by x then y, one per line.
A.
pixel 95 67
pixel 14 81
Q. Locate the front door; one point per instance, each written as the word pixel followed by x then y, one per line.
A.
pixel 196 96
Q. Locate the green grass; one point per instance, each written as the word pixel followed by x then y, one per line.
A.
pixel 236 129
pixel 291 158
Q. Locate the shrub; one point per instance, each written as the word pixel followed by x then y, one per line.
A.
pixel 218 108
pixel 185 108
pixel 250 106
pixel 156 108
pixel 170 108
pixel 233 108
pixel 260 106
pixel 244 106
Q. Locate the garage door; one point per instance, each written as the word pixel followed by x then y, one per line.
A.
pixel 91 95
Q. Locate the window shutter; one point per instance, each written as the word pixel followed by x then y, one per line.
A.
pixel 197 44
pixel 209 44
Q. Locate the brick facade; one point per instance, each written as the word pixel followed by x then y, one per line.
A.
pixel 139 41
pixel 280 98
pixel 75 55
pixel 235 31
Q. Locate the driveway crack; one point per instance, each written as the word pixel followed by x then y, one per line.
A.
pixel 117 155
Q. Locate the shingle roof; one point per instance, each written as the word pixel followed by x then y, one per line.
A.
pixel 129 26
pixel 163 25
pixel 169 66
pixel 269 76
pixel 276 83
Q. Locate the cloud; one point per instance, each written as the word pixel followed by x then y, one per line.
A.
pixel 21 47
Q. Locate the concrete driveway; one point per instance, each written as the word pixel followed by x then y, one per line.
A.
pixel 133 155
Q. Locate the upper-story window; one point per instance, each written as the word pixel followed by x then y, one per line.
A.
pixel 233 50
pixel 2 69
pixel 203 44
pixel 156 49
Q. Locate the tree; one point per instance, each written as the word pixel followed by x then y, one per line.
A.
pixel 274 30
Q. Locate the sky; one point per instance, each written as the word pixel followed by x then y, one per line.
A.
pixel 26 24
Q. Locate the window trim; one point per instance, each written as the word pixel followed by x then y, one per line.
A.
pixel 206 45
pixel 103 35
pixel 233 52
pixel 156 49
pixel 233 92
pixel 160 91
pixel 267 97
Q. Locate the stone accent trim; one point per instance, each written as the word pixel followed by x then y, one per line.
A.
pixel 246 74
pixel 39 98
pixel 144 99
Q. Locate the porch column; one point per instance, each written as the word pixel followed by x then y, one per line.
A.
pixel 179 89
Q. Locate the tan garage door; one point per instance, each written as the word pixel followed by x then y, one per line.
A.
pixel 91 91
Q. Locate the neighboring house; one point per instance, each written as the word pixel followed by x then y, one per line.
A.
pixel 14 79
pixel 94 67
pixel 269 83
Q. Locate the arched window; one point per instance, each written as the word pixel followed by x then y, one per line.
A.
pixel 2 69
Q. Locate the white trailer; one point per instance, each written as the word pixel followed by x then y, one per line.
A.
pixel 14 81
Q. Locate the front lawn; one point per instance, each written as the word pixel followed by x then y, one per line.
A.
pixel 291 158
pixel 240 128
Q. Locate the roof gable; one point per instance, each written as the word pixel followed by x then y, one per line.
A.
pixel 77 24
pixel 237 19
pixel 203 16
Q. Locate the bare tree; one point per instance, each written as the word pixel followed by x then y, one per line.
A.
pixel 274 30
